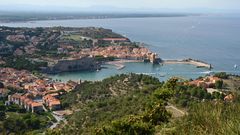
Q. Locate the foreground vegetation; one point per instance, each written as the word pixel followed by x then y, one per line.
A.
pixel 210 118
pixel 15 120
pixel 135 104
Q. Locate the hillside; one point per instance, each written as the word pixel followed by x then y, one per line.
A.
pixel 139 104
pixel 100 102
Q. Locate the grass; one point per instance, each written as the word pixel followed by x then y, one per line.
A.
pixel 209 118
pixel 73 37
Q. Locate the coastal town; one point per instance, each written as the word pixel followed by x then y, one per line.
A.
pixel 33 93
pixel 37 94
pixel 27 54
pixel 75 48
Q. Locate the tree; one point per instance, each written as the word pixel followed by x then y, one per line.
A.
pixel 222 75
pixel 201 93
pixel 171 83
pixel 183 102
pixel 1 85
pixel 33 123
pixel 143 124
pixel 163 94
pixel 219 84
pixel 2 107
pixel 2 115
pixel 216 95
pixel 15 125
pixel 15 108
pixel 194 92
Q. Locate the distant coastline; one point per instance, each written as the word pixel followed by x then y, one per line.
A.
pixel 18 17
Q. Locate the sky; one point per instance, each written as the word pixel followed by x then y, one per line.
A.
pixel 115 5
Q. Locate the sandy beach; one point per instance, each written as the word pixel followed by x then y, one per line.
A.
pixel 120 63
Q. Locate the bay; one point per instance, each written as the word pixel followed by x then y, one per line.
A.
pixel 212 38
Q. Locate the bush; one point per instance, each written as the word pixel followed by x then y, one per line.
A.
pixel 142 124
pixel 210 118
pixel 163 94
pixel 219 84
pixel 2 115
pixel 222 75
pixel 183 102
pixel 23 63
pixel 15 108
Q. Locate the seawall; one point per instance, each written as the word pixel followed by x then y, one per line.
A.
pixel 197 63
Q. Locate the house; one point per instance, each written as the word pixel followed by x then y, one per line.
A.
pixel 3 92
pixel 26 102
pixel 54 105
pixel 58 86
pixel 211 90
pixel 51 102
pixel 15 98
pixel 229 98
pixel 36 107
pixel 72 84
pixel 207 82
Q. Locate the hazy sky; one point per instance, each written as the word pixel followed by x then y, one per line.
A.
pixel 127 4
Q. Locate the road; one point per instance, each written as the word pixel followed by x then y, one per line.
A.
pixel 58 118
pixel 175 111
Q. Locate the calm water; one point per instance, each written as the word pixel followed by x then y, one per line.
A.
pixel 214 39
pixel 161 72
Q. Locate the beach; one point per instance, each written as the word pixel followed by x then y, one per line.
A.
pixel 120 63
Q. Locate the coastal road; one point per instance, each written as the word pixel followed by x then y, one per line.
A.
pixel 58 118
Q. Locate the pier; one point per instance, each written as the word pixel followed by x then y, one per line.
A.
pixel 197 63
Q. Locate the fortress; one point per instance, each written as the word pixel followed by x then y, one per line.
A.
pixel 70 65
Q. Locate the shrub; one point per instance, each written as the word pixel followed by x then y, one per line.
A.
pixel 222 75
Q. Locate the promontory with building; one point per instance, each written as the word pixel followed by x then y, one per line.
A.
pixel 61 49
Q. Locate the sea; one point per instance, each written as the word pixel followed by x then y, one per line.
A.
pixel 214 39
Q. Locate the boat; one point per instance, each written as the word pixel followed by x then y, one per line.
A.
pixel 121 67
pixel 235 66
pixel 207 72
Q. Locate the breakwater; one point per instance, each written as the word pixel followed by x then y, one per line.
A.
pixel 197 63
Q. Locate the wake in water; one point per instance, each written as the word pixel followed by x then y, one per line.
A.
pixel 189 73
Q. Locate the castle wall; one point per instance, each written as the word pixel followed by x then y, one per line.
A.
pixel 85 63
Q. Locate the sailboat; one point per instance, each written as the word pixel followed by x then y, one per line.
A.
pixel 235 66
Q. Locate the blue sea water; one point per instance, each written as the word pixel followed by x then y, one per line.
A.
pixel 212 38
